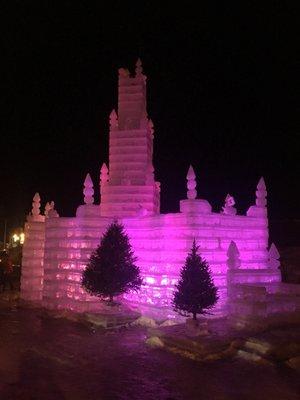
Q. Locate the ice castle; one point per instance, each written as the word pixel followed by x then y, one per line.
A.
pixel 57 248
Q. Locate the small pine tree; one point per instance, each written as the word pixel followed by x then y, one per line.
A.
pixel 111 270
pixel 196 292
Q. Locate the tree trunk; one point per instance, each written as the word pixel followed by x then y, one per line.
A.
pixel 111 299
pixel 194 316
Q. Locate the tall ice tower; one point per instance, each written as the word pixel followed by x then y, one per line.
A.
pixel 128 187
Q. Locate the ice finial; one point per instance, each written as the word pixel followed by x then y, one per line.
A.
pixel 104 177
pixel 261 184
pixel 191 184
pixel 113 119
pixel 52 212
pixel 233 254
pixel 47 209
pixel 88 190
pixel 138 67
pixel 36 205
pixel 104 169
pixel 274 256
pixel 261 193
pixel 151 126
pixel 228 206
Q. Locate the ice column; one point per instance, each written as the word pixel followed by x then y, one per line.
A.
pixel 33 254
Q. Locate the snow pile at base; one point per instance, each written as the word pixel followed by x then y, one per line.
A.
pixel 169 322
pixel 145 321
pixel 294 363
pixel 155 341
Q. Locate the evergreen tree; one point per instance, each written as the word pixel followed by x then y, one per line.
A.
pixel 111 270
pixel 196 292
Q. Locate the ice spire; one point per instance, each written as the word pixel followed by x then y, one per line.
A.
pixel 191 184
pixel 261 193
pixel 138 67
pixel 233 254
pixel 274 256
pixel 36 205
pixel 88 190
pixel 104 177
pixel 113 120
pixel 52 212
pixel 103 174
pixel 47 209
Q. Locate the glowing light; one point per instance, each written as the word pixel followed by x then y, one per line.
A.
pixel 18 238
pixel 22 238
pixel 149 279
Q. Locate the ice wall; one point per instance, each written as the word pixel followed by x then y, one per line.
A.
pixel 161 243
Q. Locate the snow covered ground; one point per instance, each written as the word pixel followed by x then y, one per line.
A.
pixel 47 358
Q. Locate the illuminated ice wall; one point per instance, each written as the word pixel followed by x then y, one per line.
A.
pixel 57 249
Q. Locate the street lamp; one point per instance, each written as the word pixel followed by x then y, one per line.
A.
pixel 18 238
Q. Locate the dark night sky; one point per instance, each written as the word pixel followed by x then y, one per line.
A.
pixel 221 92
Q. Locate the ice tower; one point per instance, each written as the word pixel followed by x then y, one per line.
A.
pixel 130 189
